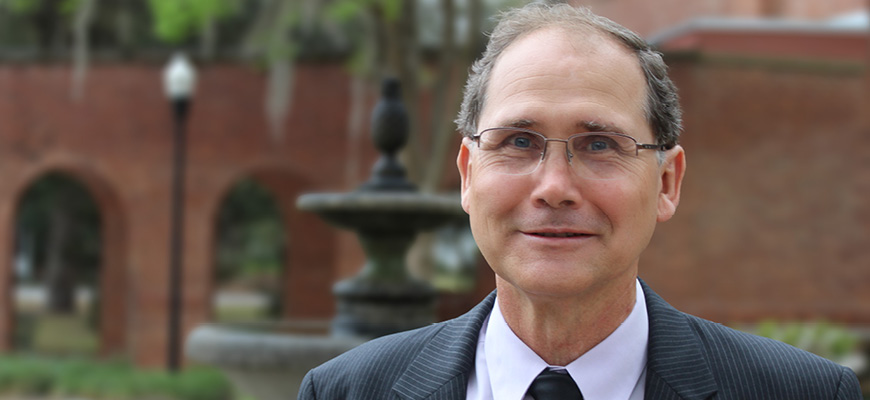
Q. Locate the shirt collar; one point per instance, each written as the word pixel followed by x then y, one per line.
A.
pixel 610 370
pixel 512 365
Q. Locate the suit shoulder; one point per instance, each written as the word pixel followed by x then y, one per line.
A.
pixel 426 358
pixel 739 358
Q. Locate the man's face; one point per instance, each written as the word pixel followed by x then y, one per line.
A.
pixel 561 84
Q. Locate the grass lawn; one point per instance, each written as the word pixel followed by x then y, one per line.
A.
pixel 56 360
pixel 33 377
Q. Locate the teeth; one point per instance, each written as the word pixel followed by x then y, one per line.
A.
pixel 560 235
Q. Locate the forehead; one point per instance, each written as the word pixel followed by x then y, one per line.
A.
pixel 554 79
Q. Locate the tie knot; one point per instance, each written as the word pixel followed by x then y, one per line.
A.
pixel 552 385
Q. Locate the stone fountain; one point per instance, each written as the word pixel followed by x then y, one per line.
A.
pixel 268 360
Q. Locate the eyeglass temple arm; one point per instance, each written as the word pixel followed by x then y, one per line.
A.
pixel 660 147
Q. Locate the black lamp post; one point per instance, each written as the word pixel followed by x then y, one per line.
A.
pixel 179 79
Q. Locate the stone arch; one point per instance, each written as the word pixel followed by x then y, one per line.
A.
pixel 309 247
pixel 112 329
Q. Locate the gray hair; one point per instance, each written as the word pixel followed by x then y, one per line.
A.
pixel 662 107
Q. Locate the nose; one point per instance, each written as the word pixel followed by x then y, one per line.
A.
pixel 556 184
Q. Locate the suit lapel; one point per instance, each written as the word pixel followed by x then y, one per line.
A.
pixel 441 369
pixel 677 365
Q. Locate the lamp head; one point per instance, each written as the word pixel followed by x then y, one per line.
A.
pixel 179 77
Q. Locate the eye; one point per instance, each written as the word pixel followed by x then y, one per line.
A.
pixel 596 144
pixel 511 141
pixel 521 142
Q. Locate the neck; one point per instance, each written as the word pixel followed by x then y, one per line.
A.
pixel 561 329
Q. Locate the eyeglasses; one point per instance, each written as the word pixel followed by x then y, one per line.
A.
pixel 593 155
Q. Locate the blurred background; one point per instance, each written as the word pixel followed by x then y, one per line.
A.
pixel 772 235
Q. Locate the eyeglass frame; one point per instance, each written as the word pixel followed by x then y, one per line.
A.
pixel 568 153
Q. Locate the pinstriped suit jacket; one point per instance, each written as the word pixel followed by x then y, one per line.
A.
pixel 688 358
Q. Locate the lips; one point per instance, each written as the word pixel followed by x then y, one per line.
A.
pixel 559 234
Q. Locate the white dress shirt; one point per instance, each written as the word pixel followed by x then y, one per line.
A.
pixel 615 369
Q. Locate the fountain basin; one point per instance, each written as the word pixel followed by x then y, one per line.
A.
pixel 383 298
pixel 264 360
pixel 383 211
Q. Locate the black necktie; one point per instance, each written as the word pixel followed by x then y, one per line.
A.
pixel 552 385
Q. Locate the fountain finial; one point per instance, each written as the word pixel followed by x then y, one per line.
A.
pixel 390 133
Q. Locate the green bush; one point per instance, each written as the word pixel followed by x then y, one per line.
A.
pixel 115 380
pixel 822 338
pixel 25 376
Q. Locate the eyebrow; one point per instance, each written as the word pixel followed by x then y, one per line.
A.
pixel 587 125
pixel 597 126
pixel 520 123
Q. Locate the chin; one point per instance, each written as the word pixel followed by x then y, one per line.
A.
pixel 563 279
pixel 554 282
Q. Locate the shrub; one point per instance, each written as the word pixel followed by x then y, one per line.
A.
pixel 105 380
pixel 822 338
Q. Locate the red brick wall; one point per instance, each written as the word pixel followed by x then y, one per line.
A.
pixel 774 217
pixel 809 46
pixel 118 143
pixel 649 17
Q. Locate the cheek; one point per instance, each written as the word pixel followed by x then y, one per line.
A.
pixel 628 201
pixel 491 199
pixel 488 189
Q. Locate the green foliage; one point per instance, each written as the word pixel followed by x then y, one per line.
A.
pixel 250 233
pixel 28 7
pixel 346 13
pixel 69 6
pixel 26 376
pixel 392 9
pixel 454 256
pixel 53 193
pixel 822 338
pixel 175 20
pixel 250 248
pixel 277 47
pixel 115 380
pixel 346 10
pixel 22 7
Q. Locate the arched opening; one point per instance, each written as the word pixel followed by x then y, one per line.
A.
pixel 57 263
pixel 249 255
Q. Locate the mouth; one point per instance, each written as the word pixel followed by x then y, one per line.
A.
pixel 557 234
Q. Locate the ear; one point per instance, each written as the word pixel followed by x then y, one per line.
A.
pixel 672 170
pixel 463 163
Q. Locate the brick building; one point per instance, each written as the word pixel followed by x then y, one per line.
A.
pixel 650 17
pixel 773 223
pixel 118 143
pixel 774 219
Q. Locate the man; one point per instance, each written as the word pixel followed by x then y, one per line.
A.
pixel 569 160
